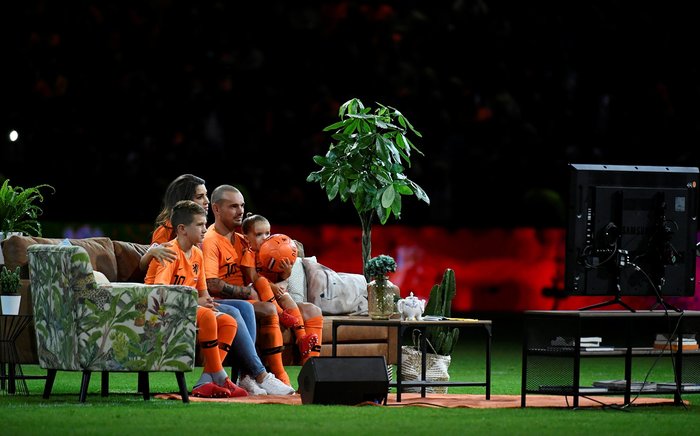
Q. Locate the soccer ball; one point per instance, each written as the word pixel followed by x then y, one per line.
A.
pixel 275 248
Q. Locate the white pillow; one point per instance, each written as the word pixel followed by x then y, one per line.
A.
pixel 296 283
pixel 100 278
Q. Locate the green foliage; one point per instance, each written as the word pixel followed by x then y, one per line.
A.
pixel 9 281
pixel 365 164
pixel 18 209
pixel 379 266
pixel 440 304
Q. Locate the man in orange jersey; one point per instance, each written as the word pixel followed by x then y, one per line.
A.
pixel 224 255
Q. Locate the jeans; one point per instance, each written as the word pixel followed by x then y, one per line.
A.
pixel 243 346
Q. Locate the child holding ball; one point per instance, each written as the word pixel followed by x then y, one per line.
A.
pixel 256 230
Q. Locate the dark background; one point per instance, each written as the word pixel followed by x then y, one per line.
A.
pixel 112 100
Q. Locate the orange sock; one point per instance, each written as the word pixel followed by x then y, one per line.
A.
pixel 299 328
pixel 262 287
pixel 270 345
pixel 207 338
pixel 226 328
pixel 314 325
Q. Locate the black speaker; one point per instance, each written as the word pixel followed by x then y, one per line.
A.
pixel 343 380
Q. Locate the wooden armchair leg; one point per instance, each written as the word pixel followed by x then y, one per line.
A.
pixel 50 378
pixel 183 386
pixel 145 385
pixel 105 384
pixel 84 386
pixel 142 382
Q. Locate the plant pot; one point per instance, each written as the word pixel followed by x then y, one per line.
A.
pixel 10 304
pixel 380 298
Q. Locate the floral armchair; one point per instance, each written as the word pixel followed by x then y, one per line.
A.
pixel 127 327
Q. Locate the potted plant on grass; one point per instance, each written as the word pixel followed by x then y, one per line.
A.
pixel 441 339
pixel 365 164
pixel 381 293
pixel 9 287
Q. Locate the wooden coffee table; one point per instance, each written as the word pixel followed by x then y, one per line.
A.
pixel 402 327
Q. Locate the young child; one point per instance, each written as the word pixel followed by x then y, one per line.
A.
pixel 216 330
pixel 256 229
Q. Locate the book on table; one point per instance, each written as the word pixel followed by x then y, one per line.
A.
pixel 664 342
pixel 673 346
pixel 598 348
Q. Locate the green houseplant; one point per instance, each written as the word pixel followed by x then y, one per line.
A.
pixel 442 339
pixel 9 287
pixel 18 209
pixel 365 164
pixel 439 304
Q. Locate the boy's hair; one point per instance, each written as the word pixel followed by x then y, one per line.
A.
pixel 250 220
pixel 184 212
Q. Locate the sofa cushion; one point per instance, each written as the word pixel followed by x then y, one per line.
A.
pixel 100 250
pixel 296 283
pixel 128 255
pixel 333 292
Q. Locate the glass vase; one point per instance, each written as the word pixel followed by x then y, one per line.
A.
pixel 380 298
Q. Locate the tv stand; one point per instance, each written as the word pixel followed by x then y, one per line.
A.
pixel 616 300
pixel 552 368
pixel 660 302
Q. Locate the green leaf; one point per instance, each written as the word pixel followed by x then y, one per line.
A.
pixel 388 196
pixel 334 126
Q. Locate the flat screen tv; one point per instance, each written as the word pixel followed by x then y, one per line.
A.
pixel 631 231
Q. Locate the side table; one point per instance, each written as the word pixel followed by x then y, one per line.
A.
pixel 12 379
pixel 402 327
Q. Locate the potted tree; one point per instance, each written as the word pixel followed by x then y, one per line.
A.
pixel 9 287
pixel 365 164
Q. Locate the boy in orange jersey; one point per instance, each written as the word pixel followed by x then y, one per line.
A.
pixel 256 228
pixel 224 256
pixel 216 330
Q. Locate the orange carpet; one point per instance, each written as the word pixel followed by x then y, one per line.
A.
pixel 476 401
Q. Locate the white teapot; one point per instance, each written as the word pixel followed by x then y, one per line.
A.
pixel 411 308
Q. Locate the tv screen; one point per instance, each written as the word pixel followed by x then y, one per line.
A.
pixel 631 231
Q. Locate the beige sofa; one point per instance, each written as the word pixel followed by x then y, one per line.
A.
pixel 119 262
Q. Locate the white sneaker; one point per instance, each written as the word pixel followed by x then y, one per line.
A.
pixel 274 386
pixel 251 386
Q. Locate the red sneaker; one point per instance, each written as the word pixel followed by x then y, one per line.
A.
pixel 234 389
pixel 287 319
pixel 211 390
pixel 308 343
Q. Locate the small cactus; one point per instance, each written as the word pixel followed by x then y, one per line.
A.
pixel 440 304
pixel 9 281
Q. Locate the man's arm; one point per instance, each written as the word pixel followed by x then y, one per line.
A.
pixel 226 290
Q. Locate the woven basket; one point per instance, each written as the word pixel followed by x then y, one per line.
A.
pixel 436 368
